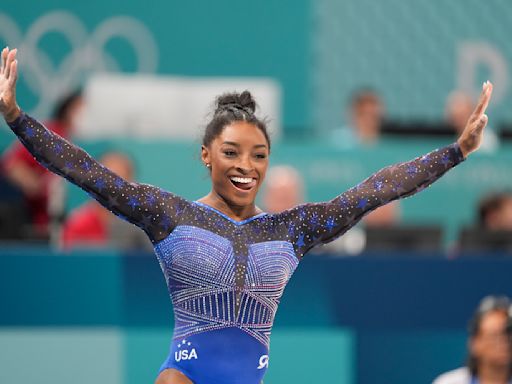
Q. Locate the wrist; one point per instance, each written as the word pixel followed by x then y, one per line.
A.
pixel 12 114
pixel 463 148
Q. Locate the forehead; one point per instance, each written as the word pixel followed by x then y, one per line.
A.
pixel 494 321
pixel 242 133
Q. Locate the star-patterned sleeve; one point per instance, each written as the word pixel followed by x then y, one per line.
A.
pixel 148 207
pixel 315 223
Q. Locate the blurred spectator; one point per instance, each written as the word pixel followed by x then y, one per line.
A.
pixel 19 168
pixel 493 230
pixel 495 212
pixel 91 225
pixel 366 113
pixel 458 109
pixel 284 189
pixel 489 346
pixel 386 216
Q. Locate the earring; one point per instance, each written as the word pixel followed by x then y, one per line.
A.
pixel 208 165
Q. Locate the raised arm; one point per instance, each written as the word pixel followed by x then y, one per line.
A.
pixel 146 206
pixel 312 224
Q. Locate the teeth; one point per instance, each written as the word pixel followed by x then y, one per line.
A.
pixel 244 180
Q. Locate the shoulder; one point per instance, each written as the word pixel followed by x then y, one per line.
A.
pixel 457 376
pixel 156 196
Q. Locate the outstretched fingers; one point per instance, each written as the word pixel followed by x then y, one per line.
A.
pixel 13 73
pixel 5 51
pixel 10 59
pixel 480 124
pixel 483 101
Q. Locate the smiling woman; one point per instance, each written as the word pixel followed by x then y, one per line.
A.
pixel 226 262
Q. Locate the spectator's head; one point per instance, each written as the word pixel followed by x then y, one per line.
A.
pixel 284 189
pixel 490 335
pixel 385 216
pixel 458 108
pixel 120 164
pixel 68 108
pixel 495 212
pixel 366 114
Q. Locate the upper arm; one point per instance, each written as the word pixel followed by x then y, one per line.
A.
pixel 312 224
pixel 146 206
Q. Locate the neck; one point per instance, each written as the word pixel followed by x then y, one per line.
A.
pixel 235 212
pixel 493 374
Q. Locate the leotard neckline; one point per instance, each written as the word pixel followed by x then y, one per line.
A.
pixel 226 216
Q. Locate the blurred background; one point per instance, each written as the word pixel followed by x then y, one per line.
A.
pixel 349 87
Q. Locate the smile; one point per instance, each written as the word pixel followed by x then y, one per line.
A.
pixel 243 183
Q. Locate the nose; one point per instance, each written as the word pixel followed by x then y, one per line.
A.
pixel 245 165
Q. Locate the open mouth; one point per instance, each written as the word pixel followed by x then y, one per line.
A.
pixel 243 183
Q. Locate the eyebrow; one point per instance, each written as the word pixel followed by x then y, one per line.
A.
pixel 238 145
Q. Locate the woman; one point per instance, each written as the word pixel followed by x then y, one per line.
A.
pixel 226 263
pixel 489 346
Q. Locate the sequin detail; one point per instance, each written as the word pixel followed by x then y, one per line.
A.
pixel 212 286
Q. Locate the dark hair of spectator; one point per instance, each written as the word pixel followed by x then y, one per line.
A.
pixel 232 107
pixel 491 204
pixel 364 95
pixel 63 105
pixel 487 305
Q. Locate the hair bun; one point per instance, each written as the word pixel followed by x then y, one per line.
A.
pixel 243 101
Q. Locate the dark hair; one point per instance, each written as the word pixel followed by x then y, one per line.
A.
pixel 490 204
pixel 231 107
pixel 63 105
pixel 487 305
pixel 364 95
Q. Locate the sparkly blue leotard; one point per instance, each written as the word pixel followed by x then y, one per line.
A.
pixel 226 277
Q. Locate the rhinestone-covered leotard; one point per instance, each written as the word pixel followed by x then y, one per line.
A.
pixel 226 277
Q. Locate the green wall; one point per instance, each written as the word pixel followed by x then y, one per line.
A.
pixel 196 38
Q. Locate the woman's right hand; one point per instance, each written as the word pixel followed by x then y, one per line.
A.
pixel 8 76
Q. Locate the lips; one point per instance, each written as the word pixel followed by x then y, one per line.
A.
pixel 243 183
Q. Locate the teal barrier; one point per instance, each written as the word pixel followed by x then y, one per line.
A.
pixel 341 321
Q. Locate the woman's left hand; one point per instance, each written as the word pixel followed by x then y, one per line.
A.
pixel 471 138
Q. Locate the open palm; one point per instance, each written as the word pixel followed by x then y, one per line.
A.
pixel 472 136
pixel 8 76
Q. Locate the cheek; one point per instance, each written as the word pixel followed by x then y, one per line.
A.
pixel 475 347
pixel 262 170
pixel 217 176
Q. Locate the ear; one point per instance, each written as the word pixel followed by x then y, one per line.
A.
pixel 205 155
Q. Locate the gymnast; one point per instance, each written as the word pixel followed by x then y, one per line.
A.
pixel 226 263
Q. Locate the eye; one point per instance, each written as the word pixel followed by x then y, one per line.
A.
pixel 229 153
pixel 261 155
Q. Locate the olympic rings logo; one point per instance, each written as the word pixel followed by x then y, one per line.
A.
pixel 87 54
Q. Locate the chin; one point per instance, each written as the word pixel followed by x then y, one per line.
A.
pixel 239 199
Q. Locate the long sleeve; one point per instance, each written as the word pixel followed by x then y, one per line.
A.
pixel 312 224
pixel 148 207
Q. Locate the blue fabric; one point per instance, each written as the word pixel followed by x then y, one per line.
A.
pixel 239 358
